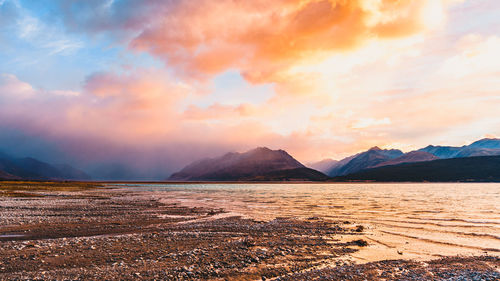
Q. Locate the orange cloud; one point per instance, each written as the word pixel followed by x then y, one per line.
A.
pixel 340 85
pixel 262 38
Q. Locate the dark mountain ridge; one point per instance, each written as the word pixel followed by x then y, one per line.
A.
pixel 360 161
pixel 7 176
pixel 29 168
pixel 237 166
pixel 258 164
pixel 469 169
pixel 297 174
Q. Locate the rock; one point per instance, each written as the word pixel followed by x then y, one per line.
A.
pixel 360 243
pixel 359 228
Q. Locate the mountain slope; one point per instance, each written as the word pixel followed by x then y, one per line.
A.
pixel 7 176
pixel 410 157
pixel 364 160
pixel 33 169
pixel 488 143
pixel 484 147
pixel 70 172
pixel 237 166
pixel 324 165
pixel 443 152
pixel 485 168
pixel 335 169
pixel 477 151
pixel 297 174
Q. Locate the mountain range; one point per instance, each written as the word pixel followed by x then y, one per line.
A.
pixel 465 169
pixel 376 157
pixel 264 164
pixel 12 168
pixel 484 147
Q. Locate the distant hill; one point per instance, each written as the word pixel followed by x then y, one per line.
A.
pixel 443 152
pixel 376 157
pixel 364 160
pixel 237 166
pixel 484 147
pixel 7 176
pixel 70 172
pixel 477 151
pixel 489 143
pixel 28 168
pixel 480 169
pixel 324 165
pixel 410 157
pixel 334 170
pixel 298 174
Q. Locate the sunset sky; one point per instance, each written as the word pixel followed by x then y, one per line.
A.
pixel 151 85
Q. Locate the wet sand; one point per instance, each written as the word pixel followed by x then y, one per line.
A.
pixel 54 232
pixel 410 221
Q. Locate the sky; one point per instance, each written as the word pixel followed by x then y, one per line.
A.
pixel 144 87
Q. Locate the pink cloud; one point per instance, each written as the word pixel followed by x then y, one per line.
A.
pixel 336 76
pixel 259 38
pixel 263 38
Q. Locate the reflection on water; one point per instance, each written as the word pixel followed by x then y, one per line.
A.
pixel 417 220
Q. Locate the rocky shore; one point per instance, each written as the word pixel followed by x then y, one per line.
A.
pixel 68 231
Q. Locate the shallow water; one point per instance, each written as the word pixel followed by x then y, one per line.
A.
pixel 419 221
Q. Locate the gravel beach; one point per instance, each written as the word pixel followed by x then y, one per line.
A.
pixel 68 231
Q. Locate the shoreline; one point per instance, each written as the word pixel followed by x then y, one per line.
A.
pixel 104 182
pixel 75 232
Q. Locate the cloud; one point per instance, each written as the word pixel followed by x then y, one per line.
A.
pixel 12 88
pixel 265 38
pixel 476 56
pixel 369 122
pixel 260 38
pixel 136 118
pixel 343 76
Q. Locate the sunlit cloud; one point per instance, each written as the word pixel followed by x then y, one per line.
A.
pixel 319 78
pixel 266 38
pixel 369 122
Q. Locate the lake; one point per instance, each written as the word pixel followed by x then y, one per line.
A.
pixel 417 220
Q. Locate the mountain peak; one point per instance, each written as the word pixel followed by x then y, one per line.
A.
pixel 256 162
pixel 261 149
pixel 369 158
pixel 490 143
